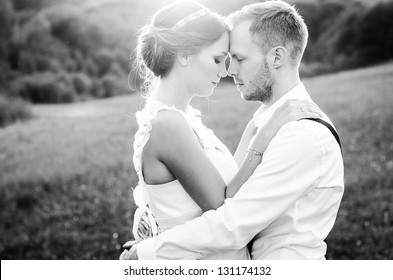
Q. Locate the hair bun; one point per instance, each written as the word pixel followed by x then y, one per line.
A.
pixel 154 52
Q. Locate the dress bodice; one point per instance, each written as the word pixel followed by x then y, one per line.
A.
pixel 169 203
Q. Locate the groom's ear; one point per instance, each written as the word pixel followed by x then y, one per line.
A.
pixel 183 58
pixel 279 56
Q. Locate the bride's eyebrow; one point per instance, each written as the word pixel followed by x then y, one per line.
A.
pixel 223 53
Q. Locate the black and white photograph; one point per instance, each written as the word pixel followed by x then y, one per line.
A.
pixel 196 130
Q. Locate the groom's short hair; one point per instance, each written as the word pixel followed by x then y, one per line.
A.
pixel 275 23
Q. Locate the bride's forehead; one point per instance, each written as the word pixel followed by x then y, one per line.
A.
pixel 221 45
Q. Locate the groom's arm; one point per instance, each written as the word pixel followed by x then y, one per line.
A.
pixel 290 165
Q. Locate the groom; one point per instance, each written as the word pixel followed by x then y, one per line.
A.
pixel 289 205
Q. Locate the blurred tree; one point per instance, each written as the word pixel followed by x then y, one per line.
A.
pixel 103 59
pixel 28 4
pixel 78 33
pixel 374 40
pixel 82 83
pixel 41 52
pixel 319 18
pixel 44 88
pixel 6 23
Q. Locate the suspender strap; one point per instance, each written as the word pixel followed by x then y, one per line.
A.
pixel 335 134
pixel 329 126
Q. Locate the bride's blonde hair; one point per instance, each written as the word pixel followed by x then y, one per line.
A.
pixel 183 26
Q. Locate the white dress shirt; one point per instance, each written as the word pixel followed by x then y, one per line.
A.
pixel 289 204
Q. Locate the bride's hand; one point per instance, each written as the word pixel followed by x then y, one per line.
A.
pixel 291 110
pixel 130 251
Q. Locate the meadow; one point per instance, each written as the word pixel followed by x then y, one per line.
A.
pixel 66 174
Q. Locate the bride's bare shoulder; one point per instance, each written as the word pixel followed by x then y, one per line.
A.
pixel 169 125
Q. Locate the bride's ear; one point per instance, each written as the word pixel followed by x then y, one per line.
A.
pixel 183 58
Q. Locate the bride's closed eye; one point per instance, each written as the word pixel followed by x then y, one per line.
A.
pixel 217 61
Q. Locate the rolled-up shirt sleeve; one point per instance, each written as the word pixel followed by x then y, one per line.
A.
pixel 290 167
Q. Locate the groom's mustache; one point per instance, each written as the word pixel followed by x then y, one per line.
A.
pixel 238 82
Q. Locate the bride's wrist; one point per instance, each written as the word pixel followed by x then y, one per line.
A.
pixel 261 142
pixel 255 151
pixel 254 154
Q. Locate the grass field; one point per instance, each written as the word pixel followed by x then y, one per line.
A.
pixel 66 175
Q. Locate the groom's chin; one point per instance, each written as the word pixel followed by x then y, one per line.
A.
pixel 242 94
pixel 245 96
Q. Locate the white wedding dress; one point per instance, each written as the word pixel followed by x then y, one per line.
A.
pixel 169 204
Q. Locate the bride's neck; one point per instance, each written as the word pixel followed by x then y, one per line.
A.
pixel 172 91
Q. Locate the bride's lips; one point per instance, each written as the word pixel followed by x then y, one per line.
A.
pixel 215 84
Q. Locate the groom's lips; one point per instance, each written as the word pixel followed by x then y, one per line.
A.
pixel 238 83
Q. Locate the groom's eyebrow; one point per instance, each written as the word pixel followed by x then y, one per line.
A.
pixel 232 55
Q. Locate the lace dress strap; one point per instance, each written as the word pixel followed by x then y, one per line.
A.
pixel 144 119
pixel 143 212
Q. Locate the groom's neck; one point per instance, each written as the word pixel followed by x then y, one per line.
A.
pixel 283 84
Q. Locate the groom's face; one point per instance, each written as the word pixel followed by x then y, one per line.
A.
pixel 249 67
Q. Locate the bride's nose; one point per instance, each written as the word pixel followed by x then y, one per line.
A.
pixel 222 72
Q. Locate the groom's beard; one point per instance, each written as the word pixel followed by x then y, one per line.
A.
pixel 261 88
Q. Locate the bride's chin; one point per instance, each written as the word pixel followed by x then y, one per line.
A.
pixel 206 93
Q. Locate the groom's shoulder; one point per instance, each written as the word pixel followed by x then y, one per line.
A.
pixel 300 128
pixel 308 133
pixel 307 126
pixel 296 141
pixel 302 133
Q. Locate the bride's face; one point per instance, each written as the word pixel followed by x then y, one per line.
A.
pixel 207 67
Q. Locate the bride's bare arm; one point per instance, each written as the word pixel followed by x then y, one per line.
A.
pixel 177 147
pixel 242 147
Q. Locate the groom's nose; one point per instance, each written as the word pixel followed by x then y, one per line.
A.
pixel 233 70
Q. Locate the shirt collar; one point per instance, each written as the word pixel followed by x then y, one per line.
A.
pixel 264 113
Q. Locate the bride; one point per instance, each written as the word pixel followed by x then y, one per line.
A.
pixel 183 168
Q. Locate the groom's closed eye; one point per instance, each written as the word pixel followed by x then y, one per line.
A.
pixel 236 57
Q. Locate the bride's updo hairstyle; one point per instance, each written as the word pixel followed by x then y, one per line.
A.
pixel 183 26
